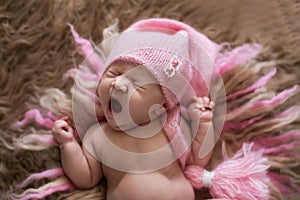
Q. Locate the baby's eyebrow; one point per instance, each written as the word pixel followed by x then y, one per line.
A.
pixel 113 67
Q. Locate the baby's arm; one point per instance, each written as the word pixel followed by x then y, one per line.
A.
pixel 83 169
pixel 200 114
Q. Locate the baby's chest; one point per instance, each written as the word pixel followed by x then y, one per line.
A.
pixel 136 144
pixel 123 152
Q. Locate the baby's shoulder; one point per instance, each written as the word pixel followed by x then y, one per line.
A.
pixel 94 137
pixel 95 130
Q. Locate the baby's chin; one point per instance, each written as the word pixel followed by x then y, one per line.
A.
pixel 126 126
pixel 121 128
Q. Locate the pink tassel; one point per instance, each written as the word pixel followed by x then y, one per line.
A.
pixel 37 116
pixel 242 177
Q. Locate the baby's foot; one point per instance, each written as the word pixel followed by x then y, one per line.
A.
pixel 201 109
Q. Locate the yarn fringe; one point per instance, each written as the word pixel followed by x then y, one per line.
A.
pixel 60 184
pixel 264 117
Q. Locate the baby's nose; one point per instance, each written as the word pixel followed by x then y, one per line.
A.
pixel 120 84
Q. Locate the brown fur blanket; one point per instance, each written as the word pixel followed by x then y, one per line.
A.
pixel 36 49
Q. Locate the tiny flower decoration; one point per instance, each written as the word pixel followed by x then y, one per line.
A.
pixel 173 66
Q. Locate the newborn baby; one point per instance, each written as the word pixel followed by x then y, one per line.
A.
pixel 157 114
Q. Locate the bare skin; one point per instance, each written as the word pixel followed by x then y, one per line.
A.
pixel 83 164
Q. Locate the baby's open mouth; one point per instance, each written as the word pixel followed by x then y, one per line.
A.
pixel 115 106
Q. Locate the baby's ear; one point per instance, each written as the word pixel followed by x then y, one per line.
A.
pixel 157 110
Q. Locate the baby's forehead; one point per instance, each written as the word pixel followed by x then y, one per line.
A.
pixel 122 66
pixel 132 69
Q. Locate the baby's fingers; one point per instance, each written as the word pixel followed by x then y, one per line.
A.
pixel 208 104
pixel 211 105
pixel 206 100
pixel 60 123
pixel 62 134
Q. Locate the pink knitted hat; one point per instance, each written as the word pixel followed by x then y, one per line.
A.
pixel 179 57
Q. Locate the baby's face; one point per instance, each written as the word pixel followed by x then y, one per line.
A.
pixel 126 94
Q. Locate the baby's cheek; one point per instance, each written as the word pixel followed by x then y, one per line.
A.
pixel 136 107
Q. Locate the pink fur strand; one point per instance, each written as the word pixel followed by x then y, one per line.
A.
pixel 37 116
pixel 239 55
pixel 46 139
pixel 52 173
pixel 87 49
pixel 284 145
pixel 292 112
pixel 282 148
pixel 263 104
pixel 276 140
pixel 293 109
pixel 47 192
pixel 261 82
pixel 240 125
pixel 283 183
pixel 86 46
pixel 52 116
pixel 242 177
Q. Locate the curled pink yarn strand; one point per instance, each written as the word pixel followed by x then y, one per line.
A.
pixel 37 116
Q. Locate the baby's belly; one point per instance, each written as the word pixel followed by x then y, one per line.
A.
pixel 152 186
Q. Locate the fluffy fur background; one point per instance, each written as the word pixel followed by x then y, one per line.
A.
pixel 36 48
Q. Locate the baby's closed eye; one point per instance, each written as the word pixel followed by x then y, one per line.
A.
pixel 138 84
pixel 112 73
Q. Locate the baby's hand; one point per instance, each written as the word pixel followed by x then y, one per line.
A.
pixel 62 131
pixel 200 109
